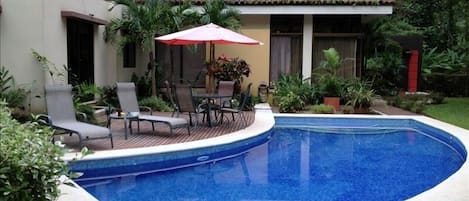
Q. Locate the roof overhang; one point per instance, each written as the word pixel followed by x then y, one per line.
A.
pixel 315 10
pixel 79 16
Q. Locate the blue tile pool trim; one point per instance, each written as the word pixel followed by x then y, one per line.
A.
pixel 112 167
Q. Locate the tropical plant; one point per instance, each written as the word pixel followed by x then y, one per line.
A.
pixel 86 91
pixel 231 69
pixel 143 85
pixel 140 23
pixel 156 104
pixel 108 96
pixel 290 103
pixel 296 85
pixel 56 74
pixel 217 12
pixel 330 85
pixel 14 96
pixel 360 96
pixel 29 164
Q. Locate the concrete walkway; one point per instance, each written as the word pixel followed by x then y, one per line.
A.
pixel 384 109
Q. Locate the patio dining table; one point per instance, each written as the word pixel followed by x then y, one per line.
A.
pixel 208 97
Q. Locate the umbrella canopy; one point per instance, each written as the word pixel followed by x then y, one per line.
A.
pixel 211 33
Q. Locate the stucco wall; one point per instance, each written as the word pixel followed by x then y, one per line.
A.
pixel 38 25
pixel 257 56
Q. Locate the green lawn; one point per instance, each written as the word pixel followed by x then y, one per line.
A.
pixel 454 111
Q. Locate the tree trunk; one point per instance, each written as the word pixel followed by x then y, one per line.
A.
pixel 153 73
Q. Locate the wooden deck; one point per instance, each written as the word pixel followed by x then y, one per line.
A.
pixel 161 136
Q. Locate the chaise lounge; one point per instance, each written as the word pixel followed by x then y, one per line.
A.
pixel 129 105
pixel 61 116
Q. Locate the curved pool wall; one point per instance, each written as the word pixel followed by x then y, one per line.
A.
pixel 134 161
pixel 455 187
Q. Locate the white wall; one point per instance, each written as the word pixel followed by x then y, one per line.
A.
pixel 38 25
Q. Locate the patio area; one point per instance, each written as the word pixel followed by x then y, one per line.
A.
pixel 161 136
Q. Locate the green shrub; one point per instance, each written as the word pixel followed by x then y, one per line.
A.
pixel 347 109
pixel 291 103
pixel 294 84
pixel 322 109
pixel 87 109
pixel 143 85
pixel 108 97
pixel 418 107
pixel 436 98
pixel 29 164
pixel 156 104
pixel 86 91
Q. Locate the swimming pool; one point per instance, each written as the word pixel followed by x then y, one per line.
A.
pixel 247 173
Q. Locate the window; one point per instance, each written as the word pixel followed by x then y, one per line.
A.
pixel 286 41
pixel 129 55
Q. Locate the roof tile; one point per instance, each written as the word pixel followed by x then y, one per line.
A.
pixel 301 2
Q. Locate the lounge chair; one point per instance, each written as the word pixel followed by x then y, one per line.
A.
pixel 61 116
pixel 129 105
pixel 239 110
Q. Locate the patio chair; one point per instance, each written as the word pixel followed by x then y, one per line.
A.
pixel 239 110
pixel 226 88
pixel 185 102
pixel 62 116
pixel 129 104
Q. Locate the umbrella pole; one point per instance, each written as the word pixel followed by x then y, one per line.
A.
pixel 211 67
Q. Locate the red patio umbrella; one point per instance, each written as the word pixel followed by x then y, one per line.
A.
pixel 209 33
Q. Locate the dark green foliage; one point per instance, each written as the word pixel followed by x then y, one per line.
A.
pixel 444 25
pixel 143 85
pixel 86 91
pixel 87 109
pixel 14 97
pixel 293 93
pixel 329 84
pixel 108 97
pixel 156 104
pixel 29 164
pixel 436 98
pixel 359 95
pixel 291 102
pixel 322 109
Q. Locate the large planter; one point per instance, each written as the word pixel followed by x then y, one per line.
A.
pixel 332 101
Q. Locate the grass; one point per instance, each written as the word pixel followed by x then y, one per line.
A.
pixel 453 111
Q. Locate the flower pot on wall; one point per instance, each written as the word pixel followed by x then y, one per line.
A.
pixel 332 101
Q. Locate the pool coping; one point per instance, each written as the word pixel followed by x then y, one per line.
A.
pixel 455 187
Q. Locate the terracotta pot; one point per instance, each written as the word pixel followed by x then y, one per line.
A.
pixel 333 101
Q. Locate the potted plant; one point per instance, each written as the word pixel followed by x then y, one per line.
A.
pixel 360 98
pixel 330 85
pixel 231 69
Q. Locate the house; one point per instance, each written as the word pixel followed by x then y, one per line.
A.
pixel 70 32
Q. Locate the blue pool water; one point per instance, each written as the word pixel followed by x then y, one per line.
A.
pixel 302 164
